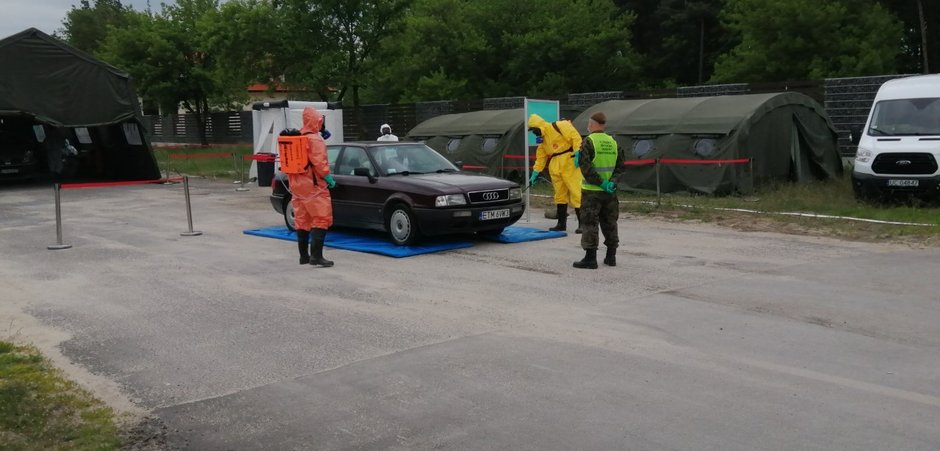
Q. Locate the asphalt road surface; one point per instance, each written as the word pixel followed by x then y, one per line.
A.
pixel 702 338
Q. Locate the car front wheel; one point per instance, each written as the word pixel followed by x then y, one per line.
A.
pixel 401 226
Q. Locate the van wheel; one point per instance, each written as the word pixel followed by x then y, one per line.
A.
pixel 289 214
pixel 401 226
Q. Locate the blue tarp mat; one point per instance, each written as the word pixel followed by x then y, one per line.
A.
pixel 517 234
pixel 365 241
pixel 378 243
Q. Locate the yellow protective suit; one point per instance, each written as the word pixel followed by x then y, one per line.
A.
pixel 313 206
pixel 566 178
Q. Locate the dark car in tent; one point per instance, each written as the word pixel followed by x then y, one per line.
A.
pixel 409 191
pixel 19 154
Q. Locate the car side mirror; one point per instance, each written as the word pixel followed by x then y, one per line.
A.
pixel 364 172
pixel 855 134
pixel 459 164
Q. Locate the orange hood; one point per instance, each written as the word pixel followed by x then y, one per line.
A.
pixel 312 120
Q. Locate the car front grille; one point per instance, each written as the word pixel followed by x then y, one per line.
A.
pixel 904 163
pixel 488 197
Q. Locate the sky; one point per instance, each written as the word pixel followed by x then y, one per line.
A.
pixel 47 15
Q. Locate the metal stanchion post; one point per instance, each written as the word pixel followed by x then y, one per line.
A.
pixel 58 221
pixel 658 192
pixel 241 173
pixel 750 167
pixel 167 178
pixel 189 210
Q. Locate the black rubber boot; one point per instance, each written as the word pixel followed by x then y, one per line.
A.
pixel 577 212
pixel 316 249
pixel 562 218
pixel 611 258
pixel 589 261
pixel 303 237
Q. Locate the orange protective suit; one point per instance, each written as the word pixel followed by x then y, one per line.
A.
pixel 557 151
pixel 313 206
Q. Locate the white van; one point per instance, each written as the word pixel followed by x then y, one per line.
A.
pixel 899 148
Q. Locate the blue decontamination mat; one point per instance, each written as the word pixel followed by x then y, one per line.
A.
pixel 376 243
pixel 364 241
pixel 517 234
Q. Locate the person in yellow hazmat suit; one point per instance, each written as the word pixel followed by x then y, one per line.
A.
pixel 559 143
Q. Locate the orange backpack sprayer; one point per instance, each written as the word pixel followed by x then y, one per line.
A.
pixel 292 148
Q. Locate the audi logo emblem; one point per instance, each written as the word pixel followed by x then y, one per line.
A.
pixel 492 195
pixel 903 162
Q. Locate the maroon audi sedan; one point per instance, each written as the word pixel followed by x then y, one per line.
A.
pixel 409 191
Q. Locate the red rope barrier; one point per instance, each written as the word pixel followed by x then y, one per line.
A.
pixel 198 146
pixel 184 156
pixel 679 161
pixel 518 157
pixel 638 162
pixel 268 158
pixel 104 184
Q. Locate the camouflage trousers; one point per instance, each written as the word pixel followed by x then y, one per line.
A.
pixel 599 210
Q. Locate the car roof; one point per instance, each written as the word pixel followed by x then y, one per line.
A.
pixel 376 143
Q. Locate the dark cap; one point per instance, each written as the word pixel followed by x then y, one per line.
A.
pixel 599 117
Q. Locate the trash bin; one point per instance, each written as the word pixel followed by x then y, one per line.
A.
pixel 265 168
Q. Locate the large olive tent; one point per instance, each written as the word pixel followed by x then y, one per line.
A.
pixel 488 141
pixel 787 136
pixel 51 92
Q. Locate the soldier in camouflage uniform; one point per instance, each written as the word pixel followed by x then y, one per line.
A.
pixel 601 163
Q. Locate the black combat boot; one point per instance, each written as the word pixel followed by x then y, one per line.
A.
pixel 577 212
pixel 589 261
pixel 562 218
pixel 316 249
pixel 611 258
pixel 303 236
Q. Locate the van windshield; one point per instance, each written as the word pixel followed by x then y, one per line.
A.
pixel 906 117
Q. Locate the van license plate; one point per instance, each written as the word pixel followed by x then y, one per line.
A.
pixel 494 214
pixel 903 182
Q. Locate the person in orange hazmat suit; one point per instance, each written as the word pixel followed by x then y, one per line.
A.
pixel 559 143
pixel 313 206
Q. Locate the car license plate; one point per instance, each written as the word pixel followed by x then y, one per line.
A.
pixel 9 171
pixel 903 182
pixel 494 214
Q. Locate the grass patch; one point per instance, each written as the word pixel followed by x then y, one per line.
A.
pixel 40 409
pixel 832 197
pixel 214 167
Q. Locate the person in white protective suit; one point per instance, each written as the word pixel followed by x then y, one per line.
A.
pixel 386 133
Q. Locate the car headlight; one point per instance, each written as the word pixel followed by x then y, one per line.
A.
pixel 515 193
pixel 28 157
pixel 449 200
pixel 863 155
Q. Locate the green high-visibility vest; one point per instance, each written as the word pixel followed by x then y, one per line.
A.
pixel 605 158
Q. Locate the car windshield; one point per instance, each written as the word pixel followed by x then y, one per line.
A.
pixel 410 159
pixel 906 117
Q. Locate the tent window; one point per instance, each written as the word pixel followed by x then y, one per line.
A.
pixel 39 132
pixel 132 134
pixel 705 147
pixel 490 144
pixel 453 145
pixel 83 136
pixel 642 147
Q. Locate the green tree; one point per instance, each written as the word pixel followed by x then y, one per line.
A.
pixel 85 26
pixel 453 49
pixel 168 56
pixel 330 42
pixel 690 38
pixel 808 39
pixel 919 51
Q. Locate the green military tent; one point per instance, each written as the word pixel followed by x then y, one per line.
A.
pixel 699 142
pixel 51 92
pixel 487 141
